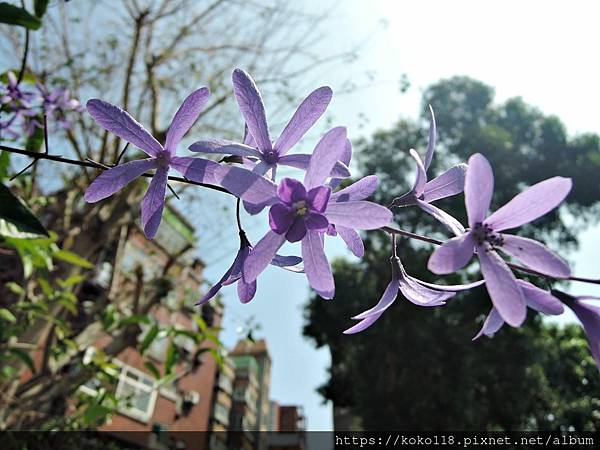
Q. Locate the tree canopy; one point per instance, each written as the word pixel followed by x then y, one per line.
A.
pixel 417 368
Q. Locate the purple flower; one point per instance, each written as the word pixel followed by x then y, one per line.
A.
pixel 13 95
pixel 357 191
pixel 416 291
pixel 57 103
pixel 484 237
pixel 245 290
pixel 536 298
pixel 304 211
pixel 423 192
pixel 257 144
pixel 588 315
pixel 161 158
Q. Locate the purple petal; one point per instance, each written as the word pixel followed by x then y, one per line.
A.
pixel 246 291
pixel 352 240
pixel 450 183
pixel 297 230
pixel 540 299
pixel 359 190
pixel 347 154
pixel 316 266
pixel 421 295
pixel 299 161
pixel 261 255
pixel 318 197
pixel 451 287
pixel 325 156
pixel 360 215
pixel 386 300
pixel 317 222
pixel 114 179
pixel 248 186
pixel 281 218
pixel 216 288
pixel 431 143
pixel 363 324
pixel 254 209
pixel 346 158
pixel 248 138
pixel 535 255
pixel 340 170
pixel 185 117
pixel 446 219
pixel 530 204
pixel 291 263
pixel 154 202
pixel 479 188
pixel 224 147
pixel 452 255
pixel 290 191
pixel 589 316
pixel 238 266
pixel 421 176
pixel 262 168
pixel 119 122
pixel 199 170
pixel 252 108
pixel 309 111
pixel 502 286
pixel 493 322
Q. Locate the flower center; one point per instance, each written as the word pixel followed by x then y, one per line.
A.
pixel 163 159
pixel 484 233
pixel 270 157
pixel 300 208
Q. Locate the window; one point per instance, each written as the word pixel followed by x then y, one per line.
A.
pixel 222 413
pixel 225 383
pixel 138 393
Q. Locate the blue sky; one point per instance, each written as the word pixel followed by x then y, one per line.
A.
pixel 542 51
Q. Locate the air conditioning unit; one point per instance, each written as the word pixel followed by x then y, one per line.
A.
pixel 191 397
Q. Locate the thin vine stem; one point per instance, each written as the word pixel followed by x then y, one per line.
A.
pixel 25 54
pixel 94 165
pixel 390 230
pixel 420 237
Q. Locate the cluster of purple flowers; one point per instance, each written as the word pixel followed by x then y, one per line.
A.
pixel 307 210
pixel 299 211
pixel 23 107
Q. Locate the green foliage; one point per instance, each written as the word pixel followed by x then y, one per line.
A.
pixel 39 7
pixel 35 141
pixel 16 219
pixel 13 15
pixel 417 368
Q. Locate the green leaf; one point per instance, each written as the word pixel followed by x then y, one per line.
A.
pixel 13 15
pixel 46 288
pixel 94 412
pixel 153 369
pixel 71 281
pixel 135 319
pixel 36 140
pixel 6 315
pixel 34 253
pixel 4 165
pixel 190 334
pixel 15 288
pixel 16 219
pixel 23 356
pixel 149 338
pixel 172 357
pixel 73 258
pixel 39 7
